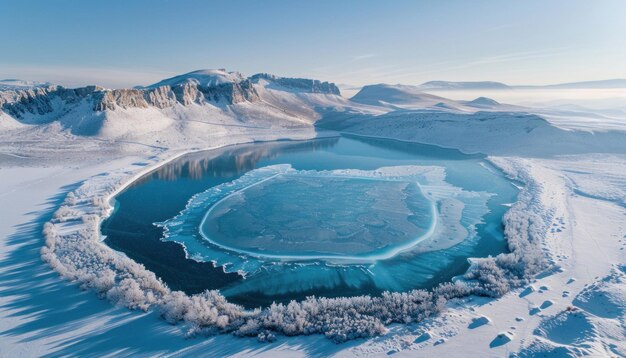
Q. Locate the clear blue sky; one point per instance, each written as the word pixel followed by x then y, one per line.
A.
pixel 125 43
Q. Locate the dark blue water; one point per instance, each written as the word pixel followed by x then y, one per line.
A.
pixel 164 193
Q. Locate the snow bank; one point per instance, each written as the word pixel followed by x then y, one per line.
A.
pixel 525 224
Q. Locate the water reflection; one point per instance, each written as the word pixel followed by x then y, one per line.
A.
pixel 231 161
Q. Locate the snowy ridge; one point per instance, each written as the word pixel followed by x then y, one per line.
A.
pixel 399 97
pixel 482 102
pixel 383 94
pixel 203 78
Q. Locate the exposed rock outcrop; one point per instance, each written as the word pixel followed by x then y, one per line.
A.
pixel 198 87
pixel 41 101
pixel 44 100
pixel 302 84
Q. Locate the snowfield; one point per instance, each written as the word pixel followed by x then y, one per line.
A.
pixel 64 155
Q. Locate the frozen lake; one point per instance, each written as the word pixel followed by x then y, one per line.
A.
pixel 329 217
pixel 284 213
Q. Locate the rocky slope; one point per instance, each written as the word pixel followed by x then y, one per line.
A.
pixel 298 84
pixel 215 87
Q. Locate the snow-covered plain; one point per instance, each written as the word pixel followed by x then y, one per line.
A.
pixel 62 161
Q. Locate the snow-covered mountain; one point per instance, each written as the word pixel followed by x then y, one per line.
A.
pixel 190 107
pixel 401 96
pixel 215 87
pixel 412 97
pixel 178 104
pixel 203 78
pixel 296 84
pixel 491 85
pixel 483 102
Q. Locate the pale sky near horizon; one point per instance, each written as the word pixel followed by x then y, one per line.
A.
pixel 138 42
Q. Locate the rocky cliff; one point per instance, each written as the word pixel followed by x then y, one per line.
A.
pixel 215 87
pixel 301 84
pixel 40 101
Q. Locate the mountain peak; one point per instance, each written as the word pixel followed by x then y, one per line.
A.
pixel 393 94
pixel 204 78
pixel 483 102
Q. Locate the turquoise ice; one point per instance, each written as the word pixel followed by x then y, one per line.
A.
pixel 307 214
pixel 277 214
pixel 331 217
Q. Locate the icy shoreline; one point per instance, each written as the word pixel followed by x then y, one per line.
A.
pixel 74 250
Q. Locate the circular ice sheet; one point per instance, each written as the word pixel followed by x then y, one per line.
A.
pixel 306 214
pixel 272 216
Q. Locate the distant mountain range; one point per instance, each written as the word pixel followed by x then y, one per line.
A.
pixel 217 77
pixel 489 85
pixel 219 93
pixel 200 106
pixel 413 97
pixel 603 84
pixel 382 94
pixel 449 85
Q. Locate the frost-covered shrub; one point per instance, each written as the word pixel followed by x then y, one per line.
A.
pixel 65 213
pixel 71 198
pixel 101 203
pixel 128 293
pixel 488 278
pixel 266 336
pixel 101 283
pixel 452 290
pixel 525 226
pixel 175 305
pixel 50 234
